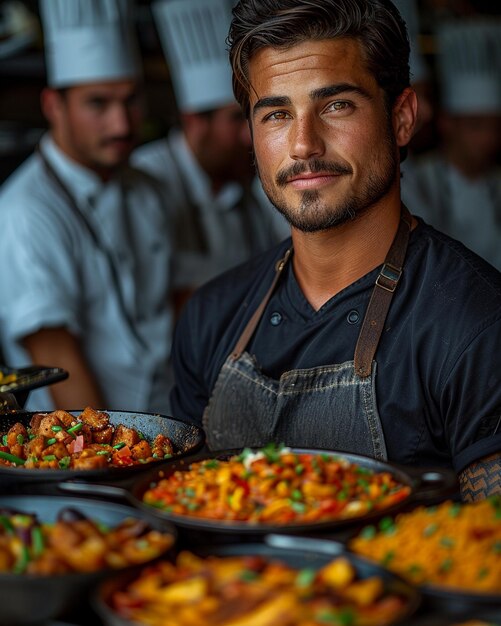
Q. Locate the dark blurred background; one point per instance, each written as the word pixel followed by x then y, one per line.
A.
pixel 22 72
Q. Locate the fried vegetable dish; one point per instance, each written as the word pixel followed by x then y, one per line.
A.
pixel 275 486
pixel 59 440
pixel 7 378
pixel 451 545
pixel 254 591
pixel 74 543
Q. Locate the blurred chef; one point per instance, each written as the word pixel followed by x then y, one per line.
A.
pixel 222 215
pixel 458 187
pixel 82 232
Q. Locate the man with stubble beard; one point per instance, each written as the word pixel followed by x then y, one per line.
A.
pixel 84 235
pixel 368 331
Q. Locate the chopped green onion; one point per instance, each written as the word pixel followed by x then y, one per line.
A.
pixel 248 575
pixel 298 507
pixel 37 541
pixel 447 542
pixel 20 439
pixel 56 428
pixel 64 463
pixel 22 561
pixel 386 524
pixel 299 469
pixel 75 428
pixel 49 457
pixel 4 440
pixel 7 524
pixel 369 532
pixel 446 565
pixel 246 452
pixel 119 445
pixel 7 456
pixel 272 452
pixel 51 441
pixel 430 530
pixel 305 577
pixel 101 452
pixel 167 456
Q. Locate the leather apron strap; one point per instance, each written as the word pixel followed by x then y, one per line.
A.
pixel 378 308
pixel 382 295
pixel 254 320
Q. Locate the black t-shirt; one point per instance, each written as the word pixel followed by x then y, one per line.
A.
pixel 438 381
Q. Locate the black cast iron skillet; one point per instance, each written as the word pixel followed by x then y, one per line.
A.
pixel 300 557
pixel 423 484
pixel 29 378
pixel 27 599
pixel 187 439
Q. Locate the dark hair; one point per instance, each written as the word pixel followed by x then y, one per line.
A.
pixel 376 24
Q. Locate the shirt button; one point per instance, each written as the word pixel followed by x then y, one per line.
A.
pixel 353 317
pixel 275 318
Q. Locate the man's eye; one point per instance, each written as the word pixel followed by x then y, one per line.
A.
pixel 339 105
pixel 97 103
pixel 277 115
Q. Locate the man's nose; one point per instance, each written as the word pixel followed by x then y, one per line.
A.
pixel 306 138
pixel 120 120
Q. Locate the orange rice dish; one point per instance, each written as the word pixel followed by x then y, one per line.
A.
pixel 451 545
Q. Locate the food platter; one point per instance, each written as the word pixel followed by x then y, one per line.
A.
pixel 25 379
pixel 29 599
pixel 186 438
pixel 418 483
pixel 306 561
pixel 451 551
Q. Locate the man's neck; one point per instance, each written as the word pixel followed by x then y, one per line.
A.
pixel 327 262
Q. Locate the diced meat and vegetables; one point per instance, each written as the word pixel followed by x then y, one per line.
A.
pixel 60 440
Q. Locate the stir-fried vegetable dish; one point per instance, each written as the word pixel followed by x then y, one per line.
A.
pixel 254 591
pixel 59 440
pixel 451 545
pixel 7 378
pixel 74 543
pixel 276 486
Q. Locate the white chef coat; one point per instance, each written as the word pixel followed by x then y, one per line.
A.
pixel 230 234
pixel 465 209
pixel 55 275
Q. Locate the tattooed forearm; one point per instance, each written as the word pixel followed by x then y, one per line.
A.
pixel 481 479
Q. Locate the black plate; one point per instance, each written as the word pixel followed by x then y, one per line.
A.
pixel 421 483
pixel 29 378
pixel 296 557
pixel 187 439
pixel 460 602
pixel 30 599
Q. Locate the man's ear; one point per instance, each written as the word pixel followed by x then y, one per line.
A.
pixel 51 103
pixel 404 116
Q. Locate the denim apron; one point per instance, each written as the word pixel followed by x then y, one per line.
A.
pixel 330 407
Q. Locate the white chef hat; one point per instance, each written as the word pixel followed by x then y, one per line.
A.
pixel 89 41
pixel 469 66
pixel 193 37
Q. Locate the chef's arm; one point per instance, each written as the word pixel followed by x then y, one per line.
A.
pixel 56 347
pixel 481 479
